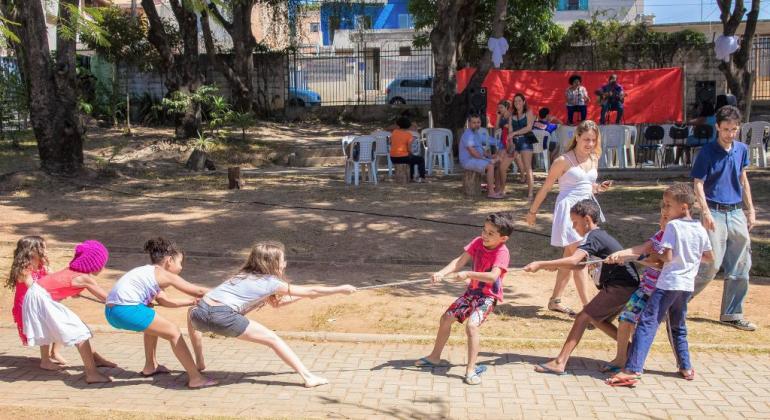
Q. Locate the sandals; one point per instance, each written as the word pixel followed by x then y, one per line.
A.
pixel 209 383
pixel 619 381
pixel 475 377
pixel 425 363
pixel 554 304
pixel 543 368
pixel 160 370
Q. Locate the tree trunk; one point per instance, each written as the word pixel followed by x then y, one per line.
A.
pixel 240 67
pixel 738 71
pixel 449 39
pixel 51 85
pixel 181 70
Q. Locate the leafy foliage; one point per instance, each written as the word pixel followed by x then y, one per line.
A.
pixel 126 36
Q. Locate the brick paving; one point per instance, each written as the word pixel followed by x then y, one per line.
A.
pixel 377 380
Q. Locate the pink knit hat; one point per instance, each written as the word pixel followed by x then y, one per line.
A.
pixel 90 257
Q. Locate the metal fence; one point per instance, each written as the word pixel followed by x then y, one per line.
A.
pixel 14 115
pixel 362 76
pixel 760 59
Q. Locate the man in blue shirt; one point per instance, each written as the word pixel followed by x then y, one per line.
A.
pixel 475 157
pixel 723 192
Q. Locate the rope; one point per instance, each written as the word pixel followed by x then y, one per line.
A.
pixel 406 282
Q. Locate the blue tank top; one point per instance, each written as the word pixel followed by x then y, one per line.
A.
pixel 518 124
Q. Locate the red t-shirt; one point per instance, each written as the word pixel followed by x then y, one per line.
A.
pixel 484 260
pixel 59 284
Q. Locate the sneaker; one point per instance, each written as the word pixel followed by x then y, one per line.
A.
pixel 741 324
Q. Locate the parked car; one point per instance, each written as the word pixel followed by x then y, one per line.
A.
pixel 303 97
pixel 410 90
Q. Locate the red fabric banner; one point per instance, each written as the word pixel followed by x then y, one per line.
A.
pixel 652 96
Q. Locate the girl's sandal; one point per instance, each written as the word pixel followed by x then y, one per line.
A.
pixel 554 304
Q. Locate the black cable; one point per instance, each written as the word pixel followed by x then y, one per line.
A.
pixel 300 207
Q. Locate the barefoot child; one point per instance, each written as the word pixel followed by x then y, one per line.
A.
pixel 45 321
pixel 686 244
pixel 616 282
pixel 31 248
pixel 630 316
pixel 261 279
pixel 89 260
pixel 490 258
pixel 129 307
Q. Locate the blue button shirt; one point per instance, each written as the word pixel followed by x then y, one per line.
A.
pixel 720 171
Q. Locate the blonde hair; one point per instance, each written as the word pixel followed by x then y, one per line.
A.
pixel 265 258
pixel 583 128
pixel 27 248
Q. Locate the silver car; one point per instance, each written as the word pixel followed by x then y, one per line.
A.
pixel 410 90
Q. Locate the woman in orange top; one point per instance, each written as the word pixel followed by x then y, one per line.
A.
pixel 400 146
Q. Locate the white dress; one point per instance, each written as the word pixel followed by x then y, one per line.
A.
pixel 47 321
pixel 575 184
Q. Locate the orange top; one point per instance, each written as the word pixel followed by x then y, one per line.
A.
pixel 399 143
pixel 59 284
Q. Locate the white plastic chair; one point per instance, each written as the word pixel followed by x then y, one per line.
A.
pixel 756 144
pixel 564 133
pixel 667 142
pixel 450 145
pixel 365 157
pixel 538 147
pixel 436 149
pixel 613 146
pixel 632 134
pixel 382 148
pixel 346 140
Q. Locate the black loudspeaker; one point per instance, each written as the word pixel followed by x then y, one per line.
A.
pixel 477 103
pixel 705 91
pixel 727 99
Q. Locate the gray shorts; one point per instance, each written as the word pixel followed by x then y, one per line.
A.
pixel 220 320
pixel 476 165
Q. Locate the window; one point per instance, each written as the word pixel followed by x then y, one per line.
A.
pixel 363 22
pixel 404 51
pixel 416 83
pixel 563 5
pixel 405 21
pixel 314 27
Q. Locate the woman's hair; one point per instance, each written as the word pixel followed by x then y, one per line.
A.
pixel 575 77
pixel 27 248
pixel 505 103
pixel 265 258
pixel 523 111
pixel 160 248
pixel 403 123
pixel 583 128
pixel 585 208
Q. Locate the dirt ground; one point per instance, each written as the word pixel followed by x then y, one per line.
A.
pixel 334 234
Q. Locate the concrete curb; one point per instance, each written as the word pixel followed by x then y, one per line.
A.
pixel 340 337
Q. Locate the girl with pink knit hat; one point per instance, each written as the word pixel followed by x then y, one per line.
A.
pixel 89 260
pixel 46 321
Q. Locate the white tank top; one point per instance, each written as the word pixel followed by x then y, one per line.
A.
pixel 577 181
pixel 137 287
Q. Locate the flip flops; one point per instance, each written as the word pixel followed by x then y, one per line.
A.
pixel 475 377
pixel 543 368
pixel 610 368
pixel 425 363
pixel 160 370
pixel 207 384
pixel 629 382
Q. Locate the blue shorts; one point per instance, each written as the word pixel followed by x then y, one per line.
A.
pixel 476 165
pixel 523 144
pixel 129 317
pixel 634 307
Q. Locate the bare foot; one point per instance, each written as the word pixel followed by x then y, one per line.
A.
pixel 203 382
pixel 102 362
pixel 201 366
pixel 97 378
pixel 57 358
pixel 50 365
pixel 314 381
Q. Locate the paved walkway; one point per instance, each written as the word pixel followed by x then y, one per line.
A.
pixel 376 380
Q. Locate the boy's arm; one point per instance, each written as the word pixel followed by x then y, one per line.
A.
pixel 707 257
pixel 629 253
pixel 453 266
pixel 667 255
pixel 571 262
pixel 485 277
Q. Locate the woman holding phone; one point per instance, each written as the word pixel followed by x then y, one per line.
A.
pixel 576 172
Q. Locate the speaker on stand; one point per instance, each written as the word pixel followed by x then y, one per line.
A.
pixel 477 103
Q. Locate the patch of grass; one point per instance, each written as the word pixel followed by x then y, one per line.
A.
pixel 327 317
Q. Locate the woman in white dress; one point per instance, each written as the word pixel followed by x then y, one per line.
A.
pixel 576 171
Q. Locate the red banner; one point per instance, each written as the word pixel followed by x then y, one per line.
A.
pixel 652 96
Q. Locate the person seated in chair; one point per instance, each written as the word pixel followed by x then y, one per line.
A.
pixel 612 96
pixel 401 146
pixel 548 123
pixel 473 156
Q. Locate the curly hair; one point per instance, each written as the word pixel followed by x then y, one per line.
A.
pixel 27 249
pixel 160 247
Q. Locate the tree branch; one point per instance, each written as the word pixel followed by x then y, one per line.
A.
pixel 219 17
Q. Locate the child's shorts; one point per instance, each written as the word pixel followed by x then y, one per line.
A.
pixel 634 307
pixel 221 320
pixel 130 317
pixel 475 308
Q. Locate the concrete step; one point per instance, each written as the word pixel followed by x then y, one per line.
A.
pixel 316 156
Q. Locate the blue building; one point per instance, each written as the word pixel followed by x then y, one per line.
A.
pixel 370 15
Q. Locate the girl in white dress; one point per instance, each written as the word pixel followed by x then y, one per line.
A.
pixel 576 172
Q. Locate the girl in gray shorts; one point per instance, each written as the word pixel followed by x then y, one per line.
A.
pixel 222 310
